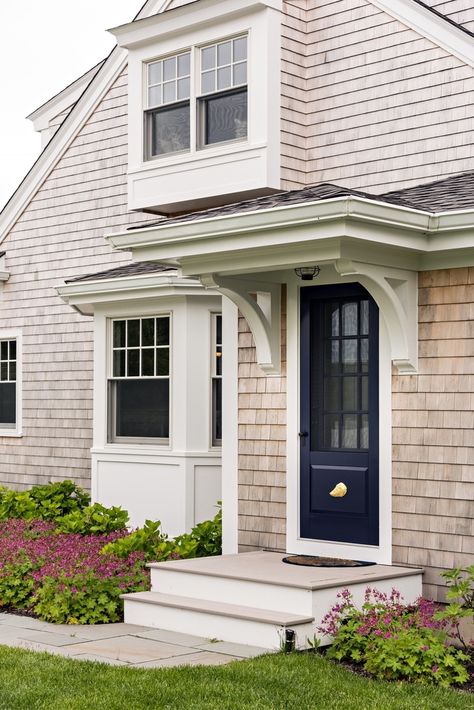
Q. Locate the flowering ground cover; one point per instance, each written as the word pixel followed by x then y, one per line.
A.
pixel 64 577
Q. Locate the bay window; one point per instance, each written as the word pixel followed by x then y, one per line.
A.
pixel 139 385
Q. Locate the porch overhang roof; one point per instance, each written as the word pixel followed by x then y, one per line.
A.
pixel 285 236
pixel 84 296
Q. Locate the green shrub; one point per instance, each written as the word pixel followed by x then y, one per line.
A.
pixel 48 502
pixel 93 520
pixel 86 597
pixel 146 539
pixel 460 594
pixel 16 584
pixel 393 640
pixel 204 540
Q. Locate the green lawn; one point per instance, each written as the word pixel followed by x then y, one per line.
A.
pixel 30 681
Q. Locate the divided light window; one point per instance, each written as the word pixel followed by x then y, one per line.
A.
pixel 7 384
pixel 216 380
pixel 223 100
pixel 217 90
pixel 168 115
pixel 139 388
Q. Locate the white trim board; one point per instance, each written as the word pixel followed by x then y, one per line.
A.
pixel 426 23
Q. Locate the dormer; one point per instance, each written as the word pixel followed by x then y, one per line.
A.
pixel 204 104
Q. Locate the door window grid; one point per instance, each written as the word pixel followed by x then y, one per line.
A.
pixel 345 376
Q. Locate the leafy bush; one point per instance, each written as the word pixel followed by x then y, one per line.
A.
pixel 204 540
pixel 93 520
pixel 460 594
pixel 49 502
pixel 393 640
pixel 64 577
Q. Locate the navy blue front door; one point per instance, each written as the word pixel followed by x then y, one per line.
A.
pixel 339 415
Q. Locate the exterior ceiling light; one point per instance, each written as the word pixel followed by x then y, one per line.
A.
pixel 307 273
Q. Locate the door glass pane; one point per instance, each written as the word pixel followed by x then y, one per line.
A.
pixel 332 357
pixel 364 317
pixel 364 385
pixel 349 393
pixel 331 431
pixel 349 431
pixel 364 354
pixel 349 318
pixel 332 397
pixel 349 356
pixel 332 319
pixel 364 431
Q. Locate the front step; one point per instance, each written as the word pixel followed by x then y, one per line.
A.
pixel 229 622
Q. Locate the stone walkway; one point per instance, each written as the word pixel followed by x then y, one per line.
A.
pixel 120 644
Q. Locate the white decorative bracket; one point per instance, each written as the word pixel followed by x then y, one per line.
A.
pixel 260 304
pixel 396 293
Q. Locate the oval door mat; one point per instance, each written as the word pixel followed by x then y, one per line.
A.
pixel 311 561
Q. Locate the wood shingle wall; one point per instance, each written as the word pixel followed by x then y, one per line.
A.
pixel 433 433
pixel 368 102
pixel 262 448
pixel 61 235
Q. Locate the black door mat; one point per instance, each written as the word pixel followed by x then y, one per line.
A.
pixel 311 561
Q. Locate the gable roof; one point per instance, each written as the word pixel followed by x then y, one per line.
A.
pixel 413 13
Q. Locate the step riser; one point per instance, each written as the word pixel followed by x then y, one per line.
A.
pixel 212 626
pixel 233 591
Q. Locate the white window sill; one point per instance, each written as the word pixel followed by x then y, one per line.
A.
pixel 11 433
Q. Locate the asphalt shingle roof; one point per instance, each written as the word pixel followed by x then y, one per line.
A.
pixel 134 269
pixel 452 193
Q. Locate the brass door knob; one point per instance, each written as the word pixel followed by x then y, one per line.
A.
pixel 339 491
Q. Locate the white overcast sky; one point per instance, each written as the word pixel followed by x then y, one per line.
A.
pixel 46 44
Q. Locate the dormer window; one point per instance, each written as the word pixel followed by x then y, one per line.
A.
pixel 215 94
pixel 167 117
pixel 223 101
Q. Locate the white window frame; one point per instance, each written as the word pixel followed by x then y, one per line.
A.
pixel 215 443
pixel 197 100
pixel 16 429
pixel 112 437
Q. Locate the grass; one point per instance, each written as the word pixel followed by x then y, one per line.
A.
pixel 35 681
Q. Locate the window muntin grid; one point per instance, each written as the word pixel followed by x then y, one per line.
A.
pixel 8 360
pixel 141 347
pixel 224 65
pixel 169 80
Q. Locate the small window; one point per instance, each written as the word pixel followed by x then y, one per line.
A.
pixel 8 384
pixel 216 379
pixel 168 115
pixel 223 101
pixel 139 386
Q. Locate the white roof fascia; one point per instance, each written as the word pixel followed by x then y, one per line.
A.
pixel 42 116
pixel 134 34
pixel 387 225
pixel 54 150
pixel 83 295
pixel 429 25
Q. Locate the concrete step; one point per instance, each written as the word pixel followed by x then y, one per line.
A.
pixel 217 620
